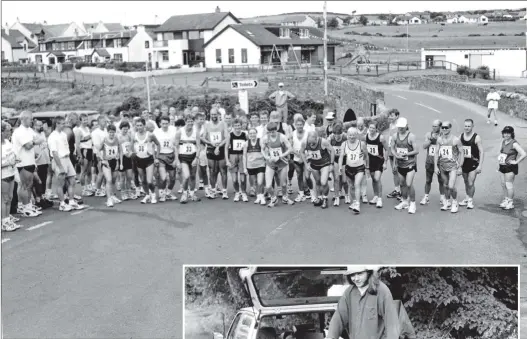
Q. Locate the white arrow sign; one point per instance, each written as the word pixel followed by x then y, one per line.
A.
pixel 244 84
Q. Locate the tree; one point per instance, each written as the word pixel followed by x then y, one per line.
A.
pixel 363 20
pixel 382 17
pixel 333 23
pixel 320 24
pixel 238 292
pixel 435 14
pixel 347 20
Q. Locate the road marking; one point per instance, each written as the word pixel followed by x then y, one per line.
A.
pixel 39 225
pixel 79 212
pixel 395 95
pixel 430 108
pixel 282 225
pixel 5 240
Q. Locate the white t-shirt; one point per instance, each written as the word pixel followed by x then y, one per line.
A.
pixel 21 136
pixel 166 139
pixel 58 142
pixel 97 137
pixel 309 128
pixel 260 131
pixel 493 99
pixel 7 153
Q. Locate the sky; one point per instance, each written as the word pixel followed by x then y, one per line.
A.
pixel 156 12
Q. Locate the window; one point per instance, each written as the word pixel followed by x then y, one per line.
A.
pixel 25 47
pixel 164 54
pixel 62 46
pixel 240 327
pixel 231 55
pixel 42 47
pixel 147 44
pixel 118 42
pixel 185 35
pixel 244 55
pixel 54 46
pixel 88 44
pixel 305 56
pixel 193 35
pixel 304 33
pixel 466 56
pixel 218 56
pixel 201 34
pixel 38 58
pixel 87 58
pixel 178 35
pixel 118 57
pixel 71 45
pixel 284 32
pixel 168 36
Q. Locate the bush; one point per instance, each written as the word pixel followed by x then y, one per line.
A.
pixel 80 65
pixel 404 35
pixel 175 67
pixel 434 36
pixel 366 34
pixel 501 34
pixel 474 35
pixel 101 65
pixel 463 70
pixel 520 34
pixel 379 34
pixel 67 67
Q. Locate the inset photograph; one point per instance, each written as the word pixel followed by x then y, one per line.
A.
pixel 350 302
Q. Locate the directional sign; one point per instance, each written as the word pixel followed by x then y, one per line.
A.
pixel 244 84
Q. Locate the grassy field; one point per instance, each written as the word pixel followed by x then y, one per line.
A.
pixel 450 35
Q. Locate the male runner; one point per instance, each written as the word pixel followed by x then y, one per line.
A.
pixel 448 163
pixel 354 152
pixel 363 130
pixel 319 156
pixel 146 157
pixel 111 163
pixel 393 116
pixel 254 164
pixel 97 136
pixel 299 138
pixel 235 143
pixel 276 150
pixel 214 138
pixel 430 146
pixel 127 173
pixel 376 146
pixel 336 139
pixel 405 150
pixel 473 154
pixel 167 158
pixel 42 162
pixel 84 147
pixel 188 147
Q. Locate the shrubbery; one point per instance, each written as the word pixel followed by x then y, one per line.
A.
pixel 482 72
pixel 404 35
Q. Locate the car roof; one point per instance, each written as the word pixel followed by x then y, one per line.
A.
pixel 270 311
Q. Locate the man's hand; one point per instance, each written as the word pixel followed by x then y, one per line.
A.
pixel 478 170
pixel 459 171
pixel 217 150
pixel 437 171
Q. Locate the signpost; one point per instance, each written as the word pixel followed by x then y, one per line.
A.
pixel 243 97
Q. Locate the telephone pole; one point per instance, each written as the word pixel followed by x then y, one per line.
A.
pixel 325 50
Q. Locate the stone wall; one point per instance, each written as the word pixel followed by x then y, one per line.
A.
pixel 513 105
pixel 447 77
pixel 343 93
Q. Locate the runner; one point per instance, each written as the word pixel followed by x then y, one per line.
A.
pixel 319 157
pixel 42 163
pixel 72 120
pixel 84 147
pixel 276 152
pixel 336 139
pixel 430 146
pixel 214 138
pixel 508 161
pixel 188 147
pixel 167 158
pixel 59 147
pixel 448 163
pixel 235 142
pixel 228 120
pixel 203 162
pixel 354 152
pixel 254 122
pixel 8 179
pixel 363 130
pixel 262 128
pixel 299 138
pixel 310 122
pixel 330 118
pixel 405 150
pixel 111 163
pixel 97 136
pixel 254 161
pixel 393 116
pixel 493 98
pixel 286 130
pixel 473 154
pixel 24 140
pixel 376 146
pixel 146 157
pixel 127 173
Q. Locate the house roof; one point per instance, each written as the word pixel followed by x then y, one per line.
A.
pixel 473 16
pixel 276 19
pixel 95 36
pixel 15 38
pixel 56 53
pixel 203 21
pixel 56 30
pixel 33 28
pixel 113 26
pixel 102 52
pixel 267 35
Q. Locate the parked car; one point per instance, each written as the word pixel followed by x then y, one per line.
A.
pixel 50 115
pixel 305 316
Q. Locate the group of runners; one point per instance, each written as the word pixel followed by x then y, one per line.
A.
pixel 127 158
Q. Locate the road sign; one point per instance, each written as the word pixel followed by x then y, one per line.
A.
pixel 244 84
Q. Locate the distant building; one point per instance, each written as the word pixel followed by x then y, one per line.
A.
pixel 407 20
pixel 15 46
pixel 285 20
pixel 472 19
pixel 506 61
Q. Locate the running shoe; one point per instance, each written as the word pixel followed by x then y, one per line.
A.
pixel 244 197
pixel 379 203
pixel 412 208
pixel 273 201
pixel 153 199
pixel 287 201
pixel 324 203
pixel 470 204
pixel 425 200
pixel 355 207
pixel 146 199
pixel 100 193
pixel 224 195
pixel 374 200
pixel 504 202
pixel 364 199
pixel 109 202
pixel 393 194
pixel 236 197
pixel 347 200
pixel 8 226
pixel 63 207
pixel 257 201
pixel 124 196
pixel 455 207
pixel 263 201
pixel 336 201
pixel 115 199
pixel 402 205
pixel 510 205
pixel 184 198
pixel 300 197
pixel 195 198
pixel 446 205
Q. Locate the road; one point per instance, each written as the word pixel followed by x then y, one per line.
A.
pixel 117 272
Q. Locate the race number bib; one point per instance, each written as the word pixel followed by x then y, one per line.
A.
pixel 446 152
pixel 215 136
pixel 467 151
pixel 112 151
pixel 432 150
pixel 237 145
pixel 166 144
pixel 125 147
pixel 187 148
pixel 373 149
pixel 337 151
pixel 501 158
pixel 402 152
pixel 314 155
pixel 275 152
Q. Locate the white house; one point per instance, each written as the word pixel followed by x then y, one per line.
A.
pixel 180 39
pixel 15 46
pixel 405 20
pixel 472 19
pixel 506 61
pixel 255 44
pixel 339 20
pixel 129 46
pixel 452 19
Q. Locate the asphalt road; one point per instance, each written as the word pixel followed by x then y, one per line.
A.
pixel 104 273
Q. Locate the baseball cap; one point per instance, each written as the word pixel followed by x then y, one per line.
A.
pixel 281 84
pixel 401 123
pixel 330 116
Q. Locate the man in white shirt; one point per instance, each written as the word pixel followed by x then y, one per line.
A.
pixel 280 97
pixel 62 166
pixel 97 137
pixel 493 97
pixel 24 140
pixel 42 162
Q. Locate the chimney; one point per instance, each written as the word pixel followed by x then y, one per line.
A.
pixel 140 28
pixel 6 30
pixel 218 9
pixel 76 33
pixel 45 22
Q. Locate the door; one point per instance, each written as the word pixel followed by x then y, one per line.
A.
pixel 185 57
pixel 475 61
pixel 331 55
pixel 429 61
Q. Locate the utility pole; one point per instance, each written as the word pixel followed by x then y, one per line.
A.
pixel 148 87
pixel 407 36
pixel 325 50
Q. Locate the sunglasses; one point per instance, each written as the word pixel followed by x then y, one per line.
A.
pixel 445 127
